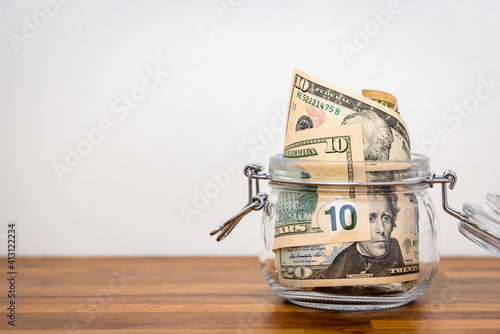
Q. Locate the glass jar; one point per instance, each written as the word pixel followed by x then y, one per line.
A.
pixel 388 267
pixel 355 235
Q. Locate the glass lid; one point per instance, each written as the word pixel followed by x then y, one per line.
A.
pixel 481 223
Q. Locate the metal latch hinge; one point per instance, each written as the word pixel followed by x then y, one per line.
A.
pixel 255 202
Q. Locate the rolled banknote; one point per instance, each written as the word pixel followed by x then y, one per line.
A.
pixel 383 98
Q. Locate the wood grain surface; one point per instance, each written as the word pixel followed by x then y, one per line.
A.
pixel 219 295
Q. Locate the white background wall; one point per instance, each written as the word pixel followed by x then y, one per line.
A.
pixel 229 67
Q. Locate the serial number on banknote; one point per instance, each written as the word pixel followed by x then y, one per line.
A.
pixel 317 103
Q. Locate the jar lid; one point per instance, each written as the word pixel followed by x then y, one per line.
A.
pixel 482 223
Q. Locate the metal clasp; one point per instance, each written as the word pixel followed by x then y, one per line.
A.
pixel 449 176
pixel 255 202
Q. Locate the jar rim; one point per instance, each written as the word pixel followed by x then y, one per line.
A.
pixel 370 173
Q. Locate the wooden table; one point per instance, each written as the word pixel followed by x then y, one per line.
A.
pixel 219 295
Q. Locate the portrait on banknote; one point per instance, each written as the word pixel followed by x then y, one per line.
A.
pixel 377 134
pixel 376 257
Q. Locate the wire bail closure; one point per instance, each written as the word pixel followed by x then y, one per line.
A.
pixel 449 176
pixel 256 202
pixel 252 171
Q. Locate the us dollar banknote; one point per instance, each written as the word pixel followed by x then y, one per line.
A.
pixel 345 235
pixel 314 103
pixel 389 254
pixel 304 216
pixel 382 98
